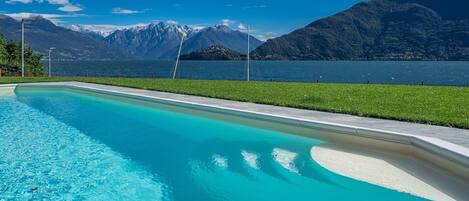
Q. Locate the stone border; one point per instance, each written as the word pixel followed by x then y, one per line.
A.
pixel 441 151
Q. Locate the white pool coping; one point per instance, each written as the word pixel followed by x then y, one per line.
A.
pixel 7 91
pixel 449 143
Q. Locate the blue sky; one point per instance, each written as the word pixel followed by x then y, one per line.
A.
pixel 268 18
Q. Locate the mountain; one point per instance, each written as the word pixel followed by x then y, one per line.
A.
pixel 380 30
pixel 41 34
pixel 161 40
pixel 97 35
pixel 220 35
pixel 216 52
pixel 101 31
pixel 155 41
pixel 88 42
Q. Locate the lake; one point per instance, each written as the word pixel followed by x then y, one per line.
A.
pixel 381 72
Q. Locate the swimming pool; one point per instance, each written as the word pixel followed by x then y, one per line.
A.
pixel 60 143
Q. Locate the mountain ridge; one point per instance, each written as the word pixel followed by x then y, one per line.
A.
pixel 161 40
pixel 157 40
pixel 151 41
pixel 379 30
pixel 41 34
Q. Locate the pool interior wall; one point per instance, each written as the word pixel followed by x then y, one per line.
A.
pixel 329 133
pixel 334 134
pixel 319 133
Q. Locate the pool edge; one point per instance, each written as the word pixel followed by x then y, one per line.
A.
pixel 446 155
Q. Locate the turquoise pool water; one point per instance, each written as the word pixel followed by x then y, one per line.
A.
pixel 63 145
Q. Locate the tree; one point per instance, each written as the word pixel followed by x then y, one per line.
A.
pixel 2 50
pixel 11 57
pixel 12 53
pixel 33 64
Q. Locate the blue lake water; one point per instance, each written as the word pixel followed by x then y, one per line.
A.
pixel 58 145
pixel 383 72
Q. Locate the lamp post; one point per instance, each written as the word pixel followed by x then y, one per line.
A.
pixel 50 61
pixel 22 47
pixel 248 56
pixel 179 54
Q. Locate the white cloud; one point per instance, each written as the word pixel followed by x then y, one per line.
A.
pixel 65 5
pixel 58 2
pixel 19 16
pixel 264 37
pixel 54 18
pixel 242 27
pixel 18 1
pixel 124 11
pixel 55 2
pixel 255 7
pixel 227 22
pixel 172 22
pixel 70 8
pixel 198 27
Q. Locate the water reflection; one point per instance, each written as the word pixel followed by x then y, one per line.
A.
pixel 250 159
pixel 286 159
pixel 220 161
pixel 262 156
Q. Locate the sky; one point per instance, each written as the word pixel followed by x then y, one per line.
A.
pixel 267 18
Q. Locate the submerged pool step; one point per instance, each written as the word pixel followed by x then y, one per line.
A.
pixel 7 91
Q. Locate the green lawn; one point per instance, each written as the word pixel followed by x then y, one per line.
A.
pixel 447 106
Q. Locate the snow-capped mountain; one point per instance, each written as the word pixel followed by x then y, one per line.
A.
pixel 102 30
pixel 160 40
pixel 154 41
pixel 151 41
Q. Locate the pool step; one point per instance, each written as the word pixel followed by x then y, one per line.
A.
pixel 7 91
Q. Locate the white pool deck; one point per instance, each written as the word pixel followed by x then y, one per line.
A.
pixel 449 143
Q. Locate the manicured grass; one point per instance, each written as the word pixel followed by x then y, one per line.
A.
pixel 446 106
